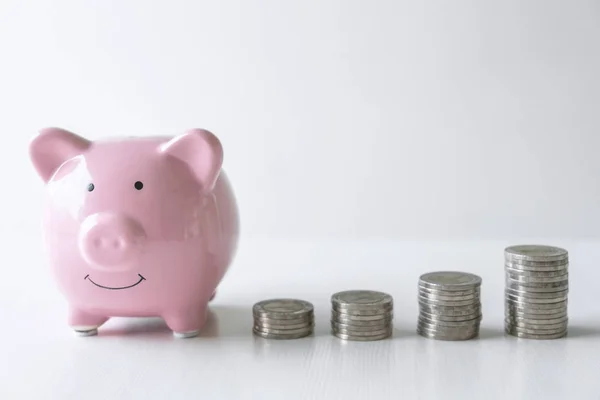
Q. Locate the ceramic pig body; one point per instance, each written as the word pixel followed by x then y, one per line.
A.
pixel 136 226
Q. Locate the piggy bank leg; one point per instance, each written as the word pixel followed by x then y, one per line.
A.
pixel 188 323
pixel 85 324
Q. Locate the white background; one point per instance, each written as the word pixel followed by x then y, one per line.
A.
pixel 349 127
pixel 339 118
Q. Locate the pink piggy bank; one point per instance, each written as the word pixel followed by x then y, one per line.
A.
pixel 136 227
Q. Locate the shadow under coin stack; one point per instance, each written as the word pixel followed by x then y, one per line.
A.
pixel 449 305
pixel 283 319
pixel 362 315
pixel 536 291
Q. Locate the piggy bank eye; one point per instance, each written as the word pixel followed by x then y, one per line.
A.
pixel 90 187
pixel 138 185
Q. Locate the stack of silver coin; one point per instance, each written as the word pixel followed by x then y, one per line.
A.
pixel 536 291
pixel 283 319
pixel 362 315
pixel 449 305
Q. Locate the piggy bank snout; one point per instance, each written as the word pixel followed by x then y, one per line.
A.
pixel 109 240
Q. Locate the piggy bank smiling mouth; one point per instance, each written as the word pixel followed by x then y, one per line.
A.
pixel 87 277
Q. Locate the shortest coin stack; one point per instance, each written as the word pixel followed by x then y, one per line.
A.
pixel 449 305
pixel 362 315
pixel 283 319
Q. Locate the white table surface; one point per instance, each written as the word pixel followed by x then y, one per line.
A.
pixel 139 359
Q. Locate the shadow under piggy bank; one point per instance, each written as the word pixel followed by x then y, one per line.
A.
pixel 222 321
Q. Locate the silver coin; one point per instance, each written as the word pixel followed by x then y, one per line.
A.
pixel 362 300
pixel 520 264
pixel 534 322
pixel 451 318
pixel 267 326
pixel 535 298
pixel 529 291
pixel 528 282
pixel 524 279
pixel 350 328
pixel 534 295
pixel 462 337
pixel 450 311
pixel 288 321
pixel 529 306
pixel 283 331
pixel 450 280
pixel 282 308
pixel 534 289
pixel 354 317
pixel 374 312
pixel 450 324
pixel 268 335
pixel 534 252
pixel 440 292
pixel 337 319
pixel 540 288
pixel 523 302
pixel 371 322
pixel 532 336
pixel 535 318
pixel 360 325
pixel 355 333
pixel 522 321
pixel 435 297
pixel 514 268
pixel 519 273
pixel 447 329
pixel 529 300
pixel 444 331
pixel 547 332
pixel 447 303
pixel 549 313
pixel 358 328
pixel 536 270
pixel 465 335
pixel 536 263
pixel 537 267
pixel 522 313
pixel 363 312
pixel 527 325
pixel 537 331
pixel 344 336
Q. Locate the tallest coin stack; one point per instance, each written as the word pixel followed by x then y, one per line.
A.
pixel 536 291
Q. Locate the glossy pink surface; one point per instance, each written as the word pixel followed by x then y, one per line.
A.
pixel 136 226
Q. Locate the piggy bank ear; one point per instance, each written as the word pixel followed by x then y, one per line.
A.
pixel 52 147
pixel 201 151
